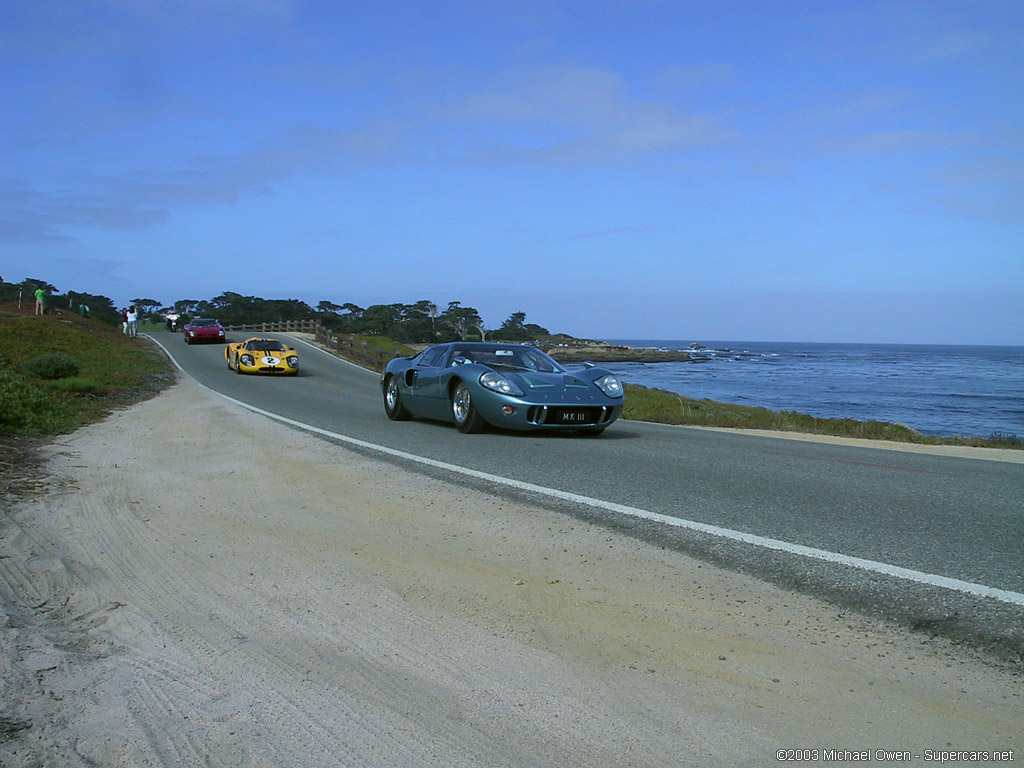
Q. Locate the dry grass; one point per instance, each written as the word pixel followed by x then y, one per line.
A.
pixel 656 405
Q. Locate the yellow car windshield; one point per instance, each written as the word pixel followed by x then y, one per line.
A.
pixel 265 346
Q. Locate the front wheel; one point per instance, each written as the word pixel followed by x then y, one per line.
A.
pixel 467 418
pixel 238 365
pixel 393 406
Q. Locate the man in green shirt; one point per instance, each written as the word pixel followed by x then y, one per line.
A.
pixel 40 295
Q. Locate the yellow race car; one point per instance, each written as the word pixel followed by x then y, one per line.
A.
pixel 257 355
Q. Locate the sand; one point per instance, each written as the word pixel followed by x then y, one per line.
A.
pixel 196 585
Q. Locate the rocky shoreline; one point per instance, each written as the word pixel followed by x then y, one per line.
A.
pixel 602 352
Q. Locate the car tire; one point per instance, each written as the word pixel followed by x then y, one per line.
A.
pixel 467 418
pixel 238 365
pixel 186 339
pixel 393 406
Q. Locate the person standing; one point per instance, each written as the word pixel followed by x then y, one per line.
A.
pixel 124 321
pixel 40 297
pixel 133 321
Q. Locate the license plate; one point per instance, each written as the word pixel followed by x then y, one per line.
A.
pixel 574 417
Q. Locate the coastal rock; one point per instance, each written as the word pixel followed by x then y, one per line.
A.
pixel 600 352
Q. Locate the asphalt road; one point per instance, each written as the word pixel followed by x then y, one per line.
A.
pixel 952 520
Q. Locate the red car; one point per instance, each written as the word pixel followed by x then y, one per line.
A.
pixel 204 329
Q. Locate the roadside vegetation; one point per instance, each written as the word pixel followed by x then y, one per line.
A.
pixel 644 404
pixel 60 371
pixel 373 352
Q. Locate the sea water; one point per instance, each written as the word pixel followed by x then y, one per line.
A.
pixel 937 390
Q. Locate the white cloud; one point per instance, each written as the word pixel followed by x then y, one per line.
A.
pixel 573 114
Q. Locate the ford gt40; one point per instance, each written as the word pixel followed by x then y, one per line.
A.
pixel 510 386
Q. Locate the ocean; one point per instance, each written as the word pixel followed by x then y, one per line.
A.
pixel 937 390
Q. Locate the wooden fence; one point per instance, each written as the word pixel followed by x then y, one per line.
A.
pixel 357 351
pixel 280 326
pixel 344 345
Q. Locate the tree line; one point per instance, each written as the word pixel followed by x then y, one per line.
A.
pixel 99 307
pixel 421 322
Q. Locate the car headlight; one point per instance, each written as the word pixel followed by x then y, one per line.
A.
pixel 498 383
pixel 220 332
pixel 248 360
pixel 610 385
pixel 293 361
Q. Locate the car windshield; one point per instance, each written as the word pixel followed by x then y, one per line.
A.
pixel 506 356
pixel 204 322
pixel 265 345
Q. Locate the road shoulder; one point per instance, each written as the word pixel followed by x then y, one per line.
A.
pixel 198 585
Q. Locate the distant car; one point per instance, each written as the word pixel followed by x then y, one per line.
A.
pixel 204 329
pixel 511 386
pixel 258 355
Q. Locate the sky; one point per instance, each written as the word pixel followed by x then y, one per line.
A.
pixel 679 169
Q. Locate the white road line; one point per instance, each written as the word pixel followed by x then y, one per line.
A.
pixel 934 580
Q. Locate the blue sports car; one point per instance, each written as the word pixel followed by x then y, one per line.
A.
pixel 511 386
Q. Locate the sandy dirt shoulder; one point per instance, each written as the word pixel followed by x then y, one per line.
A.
pixel 196 585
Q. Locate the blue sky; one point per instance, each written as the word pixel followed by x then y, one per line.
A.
pixel 688 169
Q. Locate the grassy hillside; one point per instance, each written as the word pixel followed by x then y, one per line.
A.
pixel 60 371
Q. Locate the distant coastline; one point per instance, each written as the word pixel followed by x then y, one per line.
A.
pixel 603 352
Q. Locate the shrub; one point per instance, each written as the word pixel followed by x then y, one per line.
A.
pixel 26 409
pixel 52 367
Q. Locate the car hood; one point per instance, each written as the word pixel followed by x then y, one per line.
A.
pixel 534 380
pixel 568 381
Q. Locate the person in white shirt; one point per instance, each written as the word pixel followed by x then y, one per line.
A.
pixel 133 321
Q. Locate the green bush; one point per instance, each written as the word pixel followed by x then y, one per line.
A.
pixel 52 367
pixel 26 409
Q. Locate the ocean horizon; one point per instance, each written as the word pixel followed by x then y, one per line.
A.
pixel 945 390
